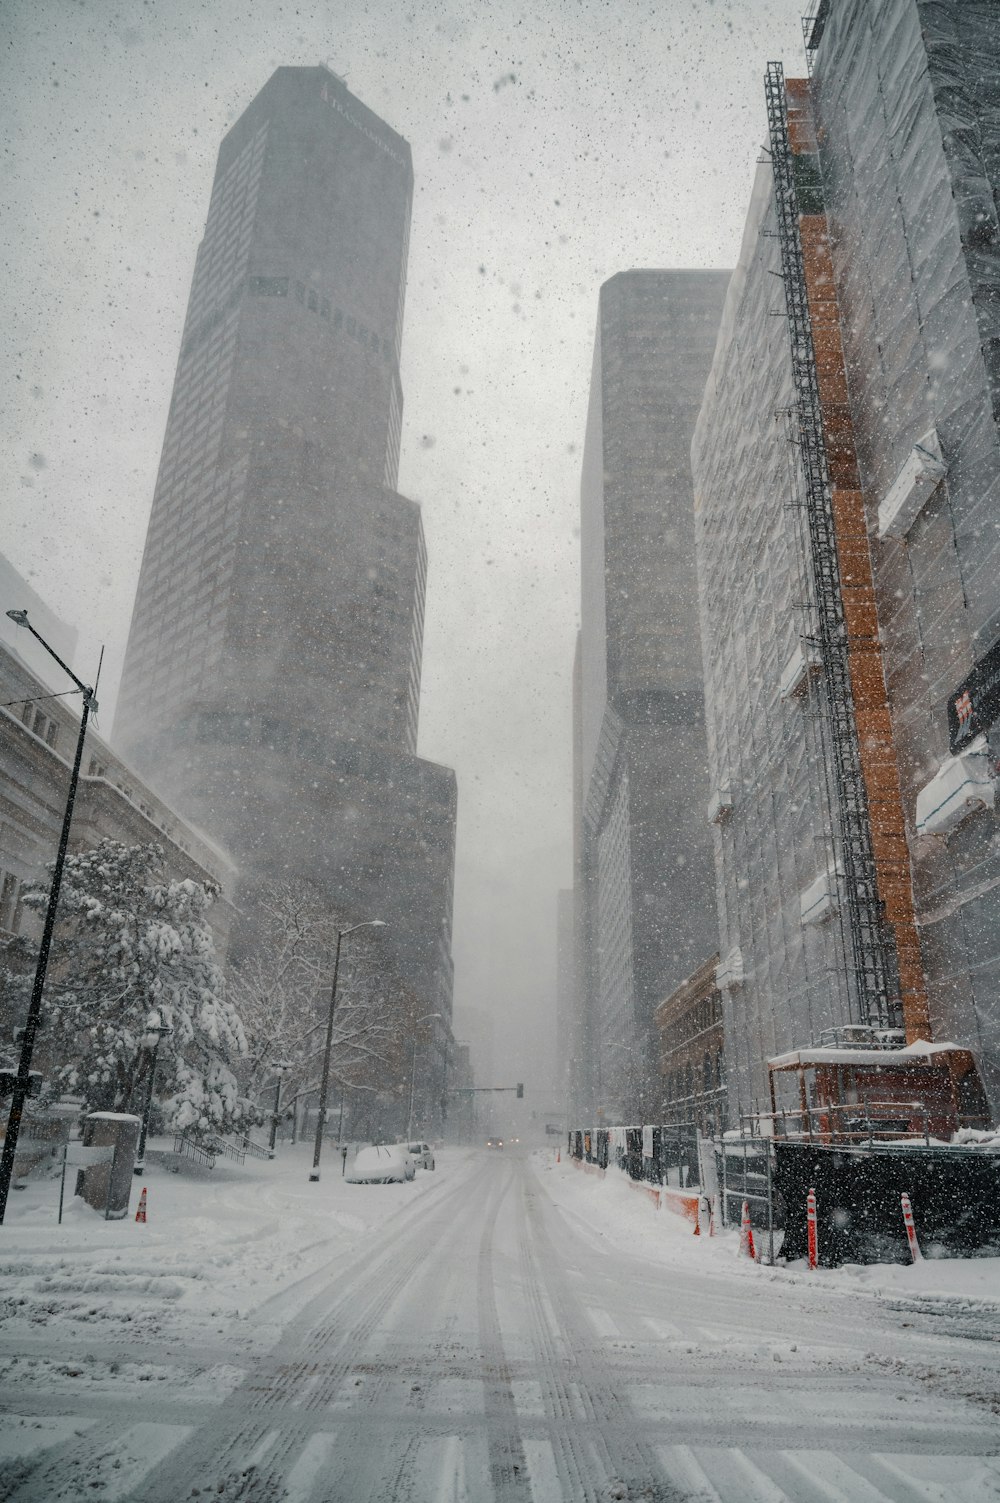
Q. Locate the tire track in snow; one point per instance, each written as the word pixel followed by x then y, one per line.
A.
pixel 628 1459
pixel 574 1467
pixel 259 1419
pixel 508 1465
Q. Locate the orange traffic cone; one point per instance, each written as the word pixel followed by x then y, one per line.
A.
pixel 746 1233
pixel 140 1214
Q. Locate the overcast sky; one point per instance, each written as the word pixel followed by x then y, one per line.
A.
pixel 554 143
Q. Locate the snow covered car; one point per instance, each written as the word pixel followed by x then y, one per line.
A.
pixel 392 1163
pixel 423 1155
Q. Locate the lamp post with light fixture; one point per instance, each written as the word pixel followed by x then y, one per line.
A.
pixel 23 1080
pixel 162 1031
pixel 325 1081
pixel 280 1066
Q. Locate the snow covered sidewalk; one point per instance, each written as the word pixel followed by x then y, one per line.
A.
pixel 609 1211
pixel 225 1259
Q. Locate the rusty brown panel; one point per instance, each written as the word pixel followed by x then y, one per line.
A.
pixel 867 681
pixel 911 966
pixel 860 614
pixel 833 387
pixel 855 567
pixel 837 423
pixel 801 136
pixel 848 512
pixel 873 724
pixel 882 777
pixel 845 472
pixel 891 848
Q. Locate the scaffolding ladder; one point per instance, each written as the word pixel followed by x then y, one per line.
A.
pixel 872 946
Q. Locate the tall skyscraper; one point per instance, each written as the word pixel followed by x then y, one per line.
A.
pixel 645 870
pixel 272 677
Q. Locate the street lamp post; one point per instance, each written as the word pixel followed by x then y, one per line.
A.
pixel 23 1079
pixel 280 1066
pixel 413 1068
pixel 161 1030
pixel 325 1080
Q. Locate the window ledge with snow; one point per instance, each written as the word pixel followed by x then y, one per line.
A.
pixel 721 805
pixel 730 972
pixel 804 661
pixel 961 786
pixel 923 470
pixel 820 900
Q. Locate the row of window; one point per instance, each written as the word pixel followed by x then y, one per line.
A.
pixel 11 905
pixel 691 1080
pixel 317 303
pixel 40 724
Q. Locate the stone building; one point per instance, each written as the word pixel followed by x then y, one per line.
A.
pixel 38 736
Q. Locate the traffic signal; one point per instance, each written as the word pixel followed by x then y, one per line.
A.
pixel 520 1090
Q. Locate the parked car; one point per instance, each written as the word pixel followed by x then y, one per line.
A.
pixel 423 1155
pixel 389 1164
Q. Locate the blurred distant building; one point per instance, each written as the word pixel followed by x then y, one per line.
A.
pixel 847 479
pixel 272 678
pixel 645 895
pixel 566 988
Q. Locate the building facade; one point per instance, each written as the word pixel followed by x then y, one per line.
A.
pixel 644 880
pixel 833 853
pixel 692 1053
pixel 272 677
pixel 38 736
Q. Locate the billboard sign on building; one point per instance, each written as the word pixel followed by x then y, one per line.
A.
pixel 975 704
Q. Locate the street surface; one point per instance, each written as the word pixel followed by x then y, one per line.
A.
pixel 489 1341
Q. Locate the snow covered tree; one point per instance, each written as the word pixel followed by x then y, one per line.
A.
pixel 279 983
pixel 132 953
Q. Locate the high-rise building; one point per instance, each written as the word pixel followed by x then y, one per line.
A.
pixel 645 879
pixel 847 480
pixel 272 676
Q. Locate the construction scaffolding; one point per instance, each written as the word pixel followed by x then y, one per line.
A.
pixel 872 943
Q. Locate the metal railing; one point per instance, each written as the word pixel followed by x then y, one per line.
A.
pixel 745 1172
pixel 859 1125
pixel 195 1151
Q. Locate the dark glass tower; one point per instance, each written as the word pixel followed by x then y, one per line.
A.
pixel 272 676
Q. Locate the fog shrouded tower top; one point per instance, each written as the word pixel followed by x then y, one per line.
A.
pixel 272 676
pixel 283 436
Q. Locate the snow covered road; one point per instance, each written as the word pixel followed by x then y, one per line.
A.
pixel 516 1332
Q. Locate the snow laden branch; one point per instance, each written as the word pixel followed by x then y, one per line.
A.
pixel 133 953
pixel 279 982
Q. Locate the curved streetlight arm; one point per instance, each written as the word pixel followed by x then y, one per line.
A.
pixel 20 618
